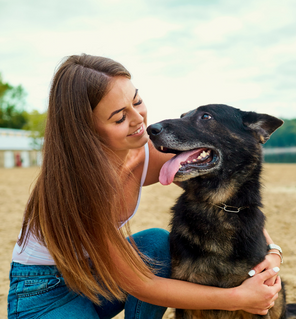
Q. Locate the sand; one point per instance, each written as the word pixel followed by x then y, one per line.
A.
pixel 279 197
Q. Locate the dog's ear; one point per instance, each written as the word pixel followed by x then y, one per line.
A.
pixel 263 125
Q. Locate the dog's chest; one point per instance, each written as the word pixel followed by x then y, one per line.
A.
pixel 211 247
pixel 205 231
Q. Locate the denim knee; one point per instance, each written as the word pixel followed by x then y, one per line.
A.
pixel 154 243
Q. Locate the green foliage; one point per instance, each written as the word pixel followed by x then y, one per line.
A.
pixel 13 115
pixel 285 136
pixel 12 100
pixel 36 124
pixel 3 87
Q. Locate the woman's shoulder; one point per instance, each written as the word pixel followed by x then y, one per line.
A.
pixel 135 161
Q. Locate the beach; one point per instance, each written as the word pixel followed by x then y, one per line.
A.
pixel 279 199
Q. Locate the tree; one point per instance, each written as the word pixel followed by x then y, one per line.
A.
pixel 12 101
pixel 13 115
pixel 285 136
pixel 36 124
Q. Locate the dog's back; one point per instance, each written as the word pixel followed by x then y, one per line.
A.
pixel 217 226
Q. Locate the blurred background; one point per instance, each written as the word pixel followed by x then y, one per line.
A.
pixel 182 54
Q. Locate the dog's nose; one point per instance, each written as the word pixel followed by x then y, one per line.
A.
pixel 154 129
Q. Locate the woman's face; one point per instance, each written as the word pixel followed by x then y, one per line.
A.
pixel 121 117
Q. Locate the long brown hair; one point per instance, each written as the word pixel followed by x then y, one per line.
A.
pixel 73 208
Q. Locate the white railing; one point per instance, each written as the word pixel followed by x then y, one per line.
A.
pixel 279 150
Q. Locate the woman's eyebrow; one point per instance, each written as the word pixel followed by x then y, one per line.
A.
pixel 136 94
pixel 115 112
pixel 118 111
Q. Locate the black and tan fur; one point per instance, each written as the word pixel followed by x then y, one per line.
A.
pixel 209 245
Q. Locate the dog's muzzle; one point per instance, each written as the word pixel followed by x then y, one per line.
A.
pixel 189 162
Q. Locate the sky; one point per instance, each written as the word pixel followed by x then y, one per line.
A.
pixel 181 53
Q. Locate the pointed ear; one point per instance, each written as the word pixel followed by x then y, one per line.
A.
pixel 263 125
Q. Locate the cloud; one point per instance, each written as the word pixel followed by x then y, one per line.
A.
pixel 181 54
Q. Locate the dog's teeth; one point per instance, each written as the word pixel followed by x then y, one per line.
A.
pixel 188 162
pixel 180 166
pixel 161 148
pixel 194 160
pixel 199 157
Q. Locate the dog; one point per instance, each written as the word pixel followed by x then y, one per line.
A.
pixel 217 226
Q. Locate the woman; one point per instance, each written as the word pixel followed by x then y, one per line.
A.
pixel 72 258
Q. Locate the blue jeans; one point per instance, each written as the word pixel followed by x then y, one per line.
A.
pixel 41 292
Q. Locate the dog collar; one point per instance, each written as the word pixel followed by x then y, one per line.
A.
pixel 231 209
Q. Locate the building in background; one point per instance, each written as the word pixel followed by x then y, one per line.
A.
pixel 17 149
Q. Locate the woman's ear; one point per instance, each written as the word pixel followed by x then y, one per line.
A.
pixel 263 125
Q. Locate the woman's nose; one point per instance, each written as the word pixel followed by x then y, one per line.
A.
pixel 136 118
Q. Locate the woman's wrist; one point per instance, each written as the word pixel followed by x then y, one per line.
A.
pixel 233 300
pixel 275 250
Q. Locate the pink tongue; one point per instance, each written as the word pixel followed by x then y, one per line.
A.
pixel 171 167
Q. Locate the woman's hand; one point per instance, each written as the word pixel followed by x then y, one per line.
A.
pixel 252 295
pixel 255 296
pixel 270 261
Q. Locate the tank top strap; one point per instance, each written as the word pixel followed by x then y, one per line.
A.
pixel 146 162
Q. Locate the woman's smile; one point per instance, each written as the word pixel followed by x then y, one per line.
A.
pixel 120 115
pixel 138 132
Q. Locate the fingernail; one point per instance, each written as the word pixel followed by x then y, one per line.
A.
pixel 251 273
pixel 276 269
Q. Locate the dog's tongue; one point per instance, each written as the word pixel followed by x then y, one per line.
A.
pixel 171 167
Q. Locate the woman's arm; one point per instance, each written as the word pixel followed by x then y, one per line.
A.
pixel 267 237
pixel 252 296
pixel 270 261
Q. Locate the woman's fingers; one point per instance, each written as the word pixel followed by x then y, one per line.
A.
pixel 256 295
pixel 278 283
pixel 270 281
pixel 275 297
pixel 262 311
pixel 260 267
pixel 270 261
pixel 265 275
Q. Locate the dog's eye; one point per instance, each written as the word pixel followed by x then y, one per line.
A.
pixel 206 116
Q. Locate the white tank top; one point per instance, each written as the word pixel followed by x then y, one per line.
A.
pixel 35 253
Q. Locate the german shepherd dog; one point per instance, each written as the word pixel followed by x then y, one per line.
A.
pixel 217 226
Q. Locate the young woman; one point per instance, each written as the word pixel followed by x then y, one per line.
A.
pixel 72 259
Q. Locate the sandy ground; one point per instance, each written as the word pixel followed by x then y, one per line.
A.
pixel 279 195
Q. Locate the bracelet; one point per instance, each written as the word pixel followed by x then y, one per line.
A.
pixel 274 246
pixel 277 253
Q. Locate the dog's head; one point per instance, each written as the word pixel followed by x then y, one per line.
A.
pixel 206 137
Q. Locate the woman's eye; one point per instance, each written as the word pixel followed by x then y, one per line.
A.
pixel 206 116
pixel 138 103
pixel 121 120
